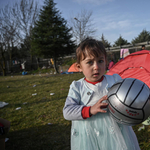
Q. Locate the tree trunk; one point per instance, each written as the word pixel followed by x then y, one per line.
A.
pixel 3 66
pixel 55 66
pixel 37 59
pixel 4 72
pixel 31 61
pixel 10 54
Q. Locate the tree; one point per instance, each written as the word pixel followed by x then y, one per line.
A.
pixel 82 26
pixel 8 36
pixel 51 37
pixel 142 37
pixel 105 42
pixel 120 41
pixel 26 12
pixel 16 23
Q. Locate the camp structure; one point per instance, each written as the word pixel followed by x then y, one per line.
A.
pixel 135 65
pixel 73 68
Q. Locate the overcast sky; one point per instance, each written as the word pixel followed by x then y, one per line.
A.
pixel 111 18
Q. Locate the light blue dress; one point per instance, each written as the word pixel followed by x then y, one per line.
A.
pixel 99 132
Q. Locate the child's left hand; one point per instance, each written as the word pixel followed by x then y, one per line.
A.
pixel 98 107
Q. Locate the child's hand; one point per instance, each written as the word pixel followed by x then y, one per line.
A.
pixel 98 106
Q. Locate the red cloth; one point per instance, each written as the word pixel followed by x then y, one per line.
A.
pixel 86 112
pixel 96 81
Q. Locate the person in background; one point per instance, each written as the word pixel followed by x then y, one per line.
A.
pixel 111 64
pixel 4 129
pixel 86 104
pixel 143 47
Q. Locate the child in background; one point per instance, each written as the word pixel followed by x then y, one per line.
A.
pixel 4 129
pixel 86 105
pixel 111 64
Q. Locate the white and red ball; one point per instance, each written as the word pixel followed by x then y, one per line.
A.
pixel 129 101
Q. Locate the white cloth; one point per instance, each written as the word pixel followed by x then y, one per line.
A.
pixel 124 53
pixel 96 88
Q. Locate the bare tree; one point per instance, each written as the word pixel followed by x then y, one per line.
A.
pixel 26 13
pixel 82 26
pixel 8 36
pixel 16 24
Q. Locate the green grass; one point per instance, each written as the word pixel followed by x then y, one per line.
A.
pixel 29 125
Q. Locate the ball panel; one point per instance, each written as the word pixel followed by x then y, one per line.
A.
pixel 114 89
pixel 146 110
pixel 135 88
pixel 142 98
pixel 123 90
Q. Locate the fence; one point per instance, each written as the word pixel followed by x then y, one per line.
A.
pixel 113 53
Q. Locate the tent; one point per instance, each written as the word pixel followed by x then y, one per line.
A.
pixel 135 65
pixel 73 68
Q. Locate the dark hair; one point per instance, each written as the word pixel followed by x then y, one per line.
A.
pixel 90 46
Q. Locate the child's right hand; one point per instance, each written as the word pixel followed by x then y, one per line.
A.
pixel 98 106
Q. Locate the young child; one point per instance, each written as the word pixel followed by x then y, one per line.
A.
pixel 4 129
pixel 86 105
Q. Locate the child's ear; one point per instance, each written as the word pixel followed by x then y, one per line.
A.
pixel 78 67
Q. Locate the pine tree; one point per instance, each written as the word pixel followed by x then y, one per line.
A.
pixel 120 41
pixel 105 42
pixel 142 37
pixel 51 36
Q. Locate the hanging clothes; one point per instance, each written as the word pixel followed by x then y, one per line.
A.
pixel 124 53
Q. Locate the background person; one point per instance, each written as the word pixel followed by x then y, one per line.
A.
pixel 111 64
pixel 143 47
pixel 4 129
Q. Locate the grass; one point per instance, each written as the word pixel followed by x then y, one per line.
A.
pixel 30 129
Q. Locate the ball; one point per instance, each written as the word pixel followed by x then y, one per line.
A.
pixel 129 101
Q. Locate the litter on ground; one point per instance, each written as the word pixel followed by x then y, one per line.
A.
pixel 141 128
pixel 49 123
pixel 25 103
pixel 34 94
pixel 52 93
pixel 2 104
pixel 18 108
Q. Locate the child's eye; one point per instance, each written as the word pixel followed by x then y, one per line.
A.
pixel 89 62
pixel 101 61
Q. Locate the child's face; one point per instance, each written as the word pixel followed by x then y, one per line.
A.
pixel 93 67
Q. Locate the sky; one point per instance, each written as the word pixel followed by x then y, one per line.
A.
pixel 111 18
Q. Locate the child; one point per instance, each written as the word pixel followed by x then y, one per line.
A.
pixel 92 127
pixel 111 64
pixel 4 128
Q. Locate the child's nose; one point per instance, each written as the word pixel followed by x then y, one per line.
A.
pixel 96 65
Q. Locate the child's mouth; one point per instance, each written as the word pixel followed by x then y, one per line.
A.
pixel 96 74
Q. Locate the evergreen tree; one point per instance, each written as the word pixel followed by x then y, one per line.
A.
pixel 51 36
pixel 120 41
pixel 105 42
pixel 142 37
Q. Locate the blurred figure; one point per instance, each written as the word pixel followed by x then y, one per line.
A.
pixel 143 47
pixel 4 129
pixel 111 64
